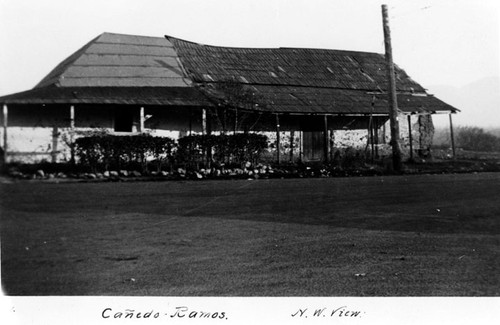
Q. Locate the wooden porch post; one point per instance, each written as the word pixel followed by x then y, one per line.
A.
pixel 72 133
pixel 452 137
pixel 5 126
pixel 190 122
pixel 235 129
pixel 204 121
pixel 410 137
pixel 325 139
pixel 372 141
pixel 301 134
pixel 278 139
pixel 55 143
pixel 141 119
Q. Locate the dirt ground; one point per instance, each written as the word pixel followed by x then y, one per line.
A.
pixel 414 235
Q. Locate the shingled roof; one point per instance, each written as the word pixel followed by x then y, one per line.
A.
pixel 142 70
pixel 116 69
pixel 115 60
pixel 299 80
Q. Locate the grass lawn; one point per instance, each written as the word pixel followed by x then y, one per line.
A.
pixel 422 235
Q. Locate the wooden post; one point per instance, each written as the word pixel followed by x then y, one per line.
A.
pixel 190 122
pixel 393 101
pixel 332 144
pixel 72 133
pixel 235 121
pixel 325 139
pixel 300 146
pixel 452 137
pixel 5 126
pixel 410 137
pixel 141 119
pixel 292 136
pixel 277 139
pixel 204 121
pixel 55 142
pixel 375 134
pixel 372 143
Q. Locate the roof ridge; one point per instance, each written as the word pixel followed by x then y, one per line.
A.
pixel 168 37
pixel 133 35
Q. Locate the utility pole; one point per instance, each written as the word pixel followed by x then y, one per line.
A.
pixel 393 100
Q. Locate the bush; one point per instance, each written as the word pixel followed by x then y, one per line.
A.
pixel 105 152
pixel 196 150
pixel 108 152
pixel 476 139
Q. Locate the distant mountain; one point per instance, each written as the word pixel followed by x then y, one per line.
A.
pixel 479 102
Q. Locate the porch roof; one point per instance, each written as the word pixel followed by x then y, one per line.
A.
pixel 173 96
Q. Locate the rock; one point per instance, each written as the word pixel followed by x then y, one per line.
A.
pixel 16 174
pixel 51 176
pixel 198 175
pixel 248 164
pixel 100 175
pixel 181 171
pixel 136 173
pixel 123 173
pixel 106 174
pixel 91 176
pixel 114 173
pixel 61 175
pixel 40 173
pixel 164 173
pixel 153 173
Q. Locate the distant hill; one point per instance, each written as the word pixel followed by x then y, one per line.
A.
pixel 478 101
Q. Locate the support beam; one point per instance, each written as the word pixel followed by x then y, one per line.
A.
pixel 141 119
pixel 55 143
pixel 72 133
pixel 204 121
pixel 5 127
pixel 235 121
pixel 325 139
pixel 410 137
pixel 372 140
pixel 301 146
pixel 452 137
pixel 190 122
pixel 278 140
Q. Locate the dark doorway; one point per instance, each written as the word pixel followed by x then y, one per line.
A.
pixel 124 120
pixel 313 145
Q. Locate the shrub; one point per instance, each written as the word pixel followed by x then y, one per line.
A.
pixel 196 150
pixel 104 152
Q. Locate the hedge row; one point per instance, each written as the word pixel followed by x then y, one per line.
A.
pixel 143 152
pixel 204 150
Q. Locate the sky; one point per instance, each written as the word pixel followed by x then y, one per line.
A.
pixel 445 45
